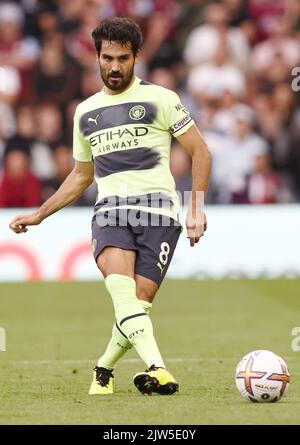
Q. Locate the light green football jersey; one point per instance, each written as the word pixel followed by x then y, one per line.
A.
pixel 128 136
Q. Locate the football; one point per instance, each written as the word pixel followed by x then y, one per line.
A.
pixel 262 376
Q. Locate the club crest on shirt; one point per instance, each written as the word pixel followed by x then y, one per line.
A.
pixel 137 112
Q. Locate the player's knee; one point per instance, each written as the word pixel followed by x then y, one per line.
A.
pixel 145 293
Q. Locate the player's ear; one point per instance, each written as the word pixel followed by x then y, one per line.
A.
pixel 137 56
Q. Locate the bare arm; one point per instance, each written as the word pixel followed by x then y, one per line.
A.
pixel 74 185
pixel 194 144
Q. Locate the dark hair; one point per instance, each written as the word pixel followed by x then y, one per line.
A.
pixel 118 29
pixel 17 143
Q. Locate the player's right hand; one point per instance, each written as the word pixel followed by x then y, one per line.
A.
pixel 195 227
pixel 19 223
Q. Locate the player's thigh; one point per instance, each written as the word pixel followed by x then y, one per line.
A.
pixel 115 260
pixel 114 249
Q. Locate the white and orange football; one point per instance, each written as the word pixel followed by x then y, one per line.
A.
pixel 262 376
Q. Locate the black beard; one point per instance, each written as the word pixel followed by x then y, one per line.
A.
pixel 122 83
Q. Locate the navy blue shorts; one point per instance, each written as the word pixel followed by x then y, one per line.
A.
pixel 154 244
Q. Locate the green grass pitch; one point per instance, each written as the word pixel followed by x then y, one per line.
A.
pixel 55 332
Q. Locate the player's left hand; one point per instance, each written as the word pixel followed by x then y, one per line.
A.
pixel 195 226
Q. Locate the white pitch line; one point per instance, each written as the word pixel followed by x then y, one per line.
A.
pixel 128 360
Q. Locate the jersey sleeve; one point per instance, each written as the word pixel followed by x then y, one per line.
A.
pixel 178 119
pixel 81 147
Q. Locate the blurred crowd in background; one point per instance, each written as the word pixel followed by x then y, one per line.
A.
pixel 232 62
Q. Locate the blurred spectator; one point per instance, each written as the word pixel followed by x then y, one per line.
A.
pixel 163 77
pixel 47 22
pixel 283 103
pixel 277 122
pixel 16 50
pixel 191 15
pixel 263 186
pixel 218 192
pixel 141 10
pixel 245 146
pixel 266 14
pixel 292 13
pixel 234 157
pixel 56 77
pixel 237 12
pixel 63 160
pixel 268 120
pixel 49 133
pixel 49 121
pixel 69 14
pixel 214 78
pixel 26 128
pixel 10 84
pixel 224 119
pixel 7 120
pixel 137 9
pixel 159 49
pixel 204 42
pixel 79 44
pixel 205 114
pixel 282 46
pixel 18 186
pixel 23 136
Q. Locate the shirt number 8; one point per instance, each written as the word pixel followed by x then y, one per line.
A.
pixel 164 253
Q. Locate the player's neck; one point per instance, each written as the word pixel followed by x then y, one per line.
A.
pixel 114 92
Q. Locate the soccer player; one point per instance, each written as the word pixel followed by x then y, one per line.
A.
pixel 122 136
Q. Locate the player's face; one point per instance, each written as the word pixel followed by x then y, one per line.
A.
pixel 116 63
